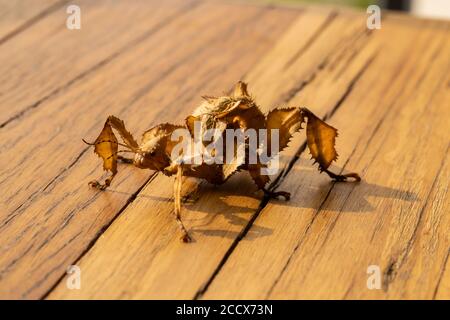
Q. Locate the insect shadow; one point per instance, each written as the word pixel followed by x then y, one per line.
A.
pixel 238 200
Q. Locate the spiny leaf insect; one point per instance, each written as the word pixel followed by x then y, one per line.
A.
pixel 236 111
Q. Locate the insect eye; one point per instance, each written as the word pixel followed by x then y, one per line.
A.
pixel 152 153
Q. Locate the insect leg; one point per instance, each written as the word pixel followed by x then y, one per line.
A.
pixel 342 177
pixel 102 186
pixel 262 180
pixel 177 198
pixel 321 138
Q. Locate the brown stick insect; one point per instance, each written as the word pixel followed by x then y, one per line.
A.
pixel 160 147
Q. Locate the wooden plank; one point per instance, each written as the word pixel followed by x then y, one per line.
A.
pixel 384 242
pixel 387 160
pixel 150 262
pixel 52 219
pixel 323 237
pixel 48 57
pixel 431 244
pixel 17 16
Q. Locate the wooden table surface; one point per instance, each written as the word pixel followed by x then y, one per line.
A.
pixel 387 91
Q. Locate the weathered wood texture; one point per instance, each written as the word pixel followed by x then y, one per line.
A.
pixel 19 15
pixel 147 62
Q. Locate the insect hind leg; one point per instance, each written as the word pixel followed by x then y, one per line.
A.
pixel 342 177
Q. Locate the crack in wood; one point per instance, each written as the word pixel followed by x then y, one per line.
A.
pixel 19 209
pixel 438 284
pixel 399 260
pixel 320 30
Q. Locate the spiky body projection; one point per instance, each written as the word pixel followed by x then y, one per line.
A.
pixel 236 111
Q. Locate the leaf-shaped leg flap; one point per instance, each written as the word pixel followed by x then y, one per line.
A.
pixel 288 121
pixel 106 147
pixel 321 139
pixel 127 137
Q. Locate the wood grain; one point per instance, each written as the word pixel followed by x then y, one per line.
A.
pixel 45 60
pixel 387 92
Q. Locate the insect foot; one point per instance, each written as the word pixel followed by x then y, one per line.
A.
pixel 186 238
pixel 277 194
pixel 343 177
pixel 97 185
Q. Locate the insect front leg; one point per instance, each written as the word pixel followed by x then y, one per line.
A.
pixel 107 183
pixel 106 146
pixel 177 202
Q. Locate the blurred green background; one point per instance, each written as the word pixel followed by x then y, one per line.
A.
pixel 355 3
pixel 439 9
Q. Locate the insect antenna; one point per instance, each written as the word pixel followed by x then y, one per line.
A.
pixel 103 141
pixel 120 151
